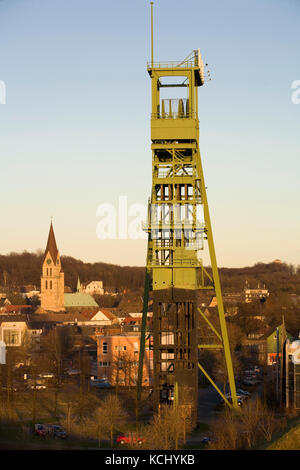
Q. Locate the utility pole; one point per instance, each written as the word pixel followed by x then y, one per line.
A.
pixel 277 364
pixel 287 375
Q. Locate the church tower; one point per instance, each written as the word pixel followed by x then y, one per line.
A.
pixel 52 279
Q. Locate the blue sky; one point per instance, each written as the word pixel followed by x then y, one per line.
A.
pixel 74 132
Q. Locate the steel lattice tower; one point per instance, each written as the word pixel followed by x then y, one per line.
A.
pixel 176 233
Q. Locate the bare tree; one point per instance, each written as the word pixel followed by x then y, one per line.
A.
pixel 185 409
pixel 56 345
pixel 251 415
pixel 112 414
pixel 268 424
pixel 226 433
pixel 167 429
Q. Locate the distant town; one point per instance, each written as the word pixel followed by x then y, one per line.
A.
pixel 67 347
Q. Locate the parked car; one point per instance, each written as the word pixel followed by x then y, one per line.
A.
pixel 12 388
pixel 250 373
pixel 243 392
pixel 40 430
pixel 130 438
pixel 100 383
pixel 37 386
pixel 47 375
pixel 238 395
pixel 250 381
pixel 205 440
pixel 56 430
pixel 240 399
pixel 73 371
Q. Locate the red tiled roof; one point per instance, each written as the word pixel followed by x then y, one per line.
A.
pixel 88 314
pixel 108 313
pixel 13 308
pixel 132 321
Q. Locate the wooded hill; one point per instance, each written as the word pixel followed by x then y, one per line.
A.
pixel 18 269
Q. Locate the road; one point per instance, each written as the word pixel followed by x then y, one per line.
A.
pixel 208 399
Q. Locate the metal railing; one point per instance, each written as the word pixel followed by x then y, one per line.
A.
pixel 173 65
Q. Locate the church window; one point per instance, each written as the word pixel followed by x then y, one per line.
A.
pixel 46 284
pixel 50 284
pixel 104 348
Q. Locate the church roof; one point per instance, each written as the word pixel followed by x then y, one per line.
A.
pixel 51 245
pixel 79 300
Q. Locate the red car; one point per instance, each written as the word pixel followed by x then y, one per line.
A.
pixel 40 430
pixel 130 438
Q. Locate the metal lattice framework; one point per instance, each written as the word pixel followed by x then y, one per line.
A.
pixel 178 225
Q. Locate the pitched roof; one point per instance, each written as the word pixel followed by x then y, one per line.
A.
pixel 110 315
pixel 79 300
pixel 62 317
pixel 271 330
pixel 132 321
pixel 16 308
pixel 13 318
pixel 51 245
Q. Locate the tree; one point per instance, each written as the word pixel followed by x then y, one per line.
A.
pixel 268 424
pixel 167 430
pixel 225 431
pixel 251 417
pixel 112 415
pixel 185 410
pixel 56 346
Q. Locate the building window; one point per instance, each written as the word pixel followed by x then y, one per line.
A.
pixel 104 348
pixel 104 364
pixel 47 271
pixel 120 348
pixel 167 337
pixel 46 284
pixel 50 271
pixel 11 337
pixel 50 284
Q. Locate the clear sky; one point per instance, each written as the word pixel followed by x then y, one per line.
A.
pixel 74 132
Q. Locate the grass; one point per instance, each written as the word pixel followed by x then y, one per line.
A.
pixel 16 429
pixel 289 440
pixel 17 432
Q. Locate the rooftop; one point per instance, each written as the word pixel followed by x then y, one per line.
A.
pixel 79 299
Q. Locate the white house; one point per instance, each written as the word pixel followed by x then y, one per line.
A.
pixel 94 287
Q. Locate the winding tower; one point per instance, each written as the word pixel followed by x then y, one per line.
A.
pixel 178 227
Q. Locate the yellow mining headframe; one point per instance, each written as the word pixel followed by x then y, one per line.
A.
pixel 178 224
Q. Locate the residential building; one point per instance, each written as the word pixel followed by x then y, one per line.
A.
pixel 118 356
pixel 260 293
pixel 263 347
pixel 94 287
pixel 15 329
pixel 10 309
pixel 140 314
pixel 29 291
